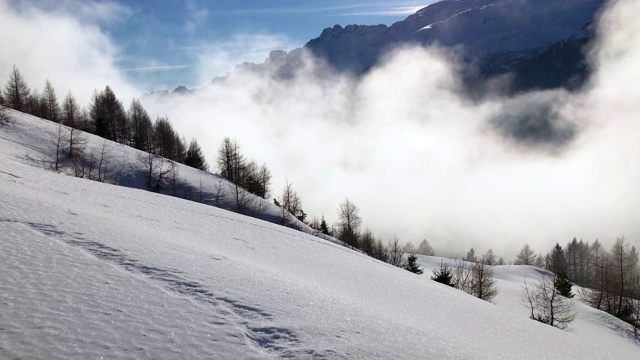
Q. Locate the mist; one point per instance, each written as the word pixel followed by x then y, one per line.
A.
pixel 405 144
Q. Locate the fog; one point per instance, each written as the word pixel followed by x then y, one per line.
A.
pixel 403 142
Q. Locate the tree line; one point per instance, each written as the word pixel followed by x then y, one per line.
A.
pixel 610 280
pixel 105 117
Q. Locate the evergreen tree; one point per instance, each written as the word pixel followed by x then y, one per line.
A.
pixel 263 178
pixel 164 139
pixel 180 153
pixel 412 264
pixel 483 281
pixel 34 104
pixel 99 124
pixel 558 264
pixel 442 274
pixel 424 248
pixel 471 256
pixel 539 261
pixel 71 113
pixel 367 242
pixel 231 163
pixel 194 158
pixel 49 103
pixel 557 260
pixel 489 257
pixel 563 285
pixel 16 91
pixel 141 127
pixel 324 228
pixel 571 254
pixel 381 252
pixel 526 256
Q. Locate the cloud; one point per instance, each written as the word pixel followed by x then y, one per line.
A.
pixel 535 120
pixel 197 16
pixel 403 142
pixel 157 68
pixel 367 9
pixel 71 51
pixel 391 11
pixel 88 11
pixel 220 57
pixel 421 160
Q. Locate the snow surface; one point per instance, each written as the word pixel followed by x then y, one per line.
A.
pixel 92 270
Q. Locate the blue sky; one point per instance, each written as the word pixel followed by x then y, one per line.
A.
pixel 163 43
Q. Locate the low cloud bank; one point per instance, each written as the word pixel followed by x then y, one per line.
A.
pixel 404 143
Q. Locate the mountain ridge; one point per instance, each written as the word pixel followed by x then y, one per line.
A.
pixel 489 37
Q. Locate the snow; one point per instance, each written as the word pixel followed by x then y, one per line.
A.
pixel 92 270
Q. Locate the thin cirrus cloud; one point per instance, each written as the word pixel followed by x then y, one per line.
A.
pixel 157 68
pixel 377 9
pixel 394 11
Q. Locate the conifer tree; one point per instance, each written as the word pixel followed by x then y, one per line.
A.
pixel 526 256
pixel 71 113
pixel 194 158
pixel 412 264
pixel 471 256
pixel 324 228
pixel 424 248
pixel 231 163
pixel 141 127
pixel 16 91
pixel 367 242
pixel 443 274
pixel 49 102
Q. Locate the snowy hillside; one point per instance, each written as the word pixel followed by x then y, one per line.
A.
pixel 126 166
pixel 91 270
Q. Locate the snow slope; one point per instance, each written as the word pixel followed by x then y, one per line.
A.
pixel 590 324
pixel 91 270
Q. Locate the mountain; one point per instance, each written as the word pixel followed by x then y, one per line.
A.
pixel 92 270
pixel 538 43
pixel 482 29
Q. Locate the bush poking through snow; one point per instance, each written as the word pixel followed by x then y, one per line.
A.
pixel 546 304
